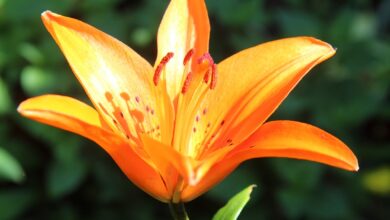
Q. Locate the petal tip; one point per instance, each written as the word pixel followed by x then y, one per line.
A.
pixel 21 107
pixel 332 50
pixel 356 167
pixel 47 14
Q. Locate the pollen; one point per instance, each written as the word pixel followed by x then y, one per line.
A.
pixel 160 67
pixel 187 82
pixel 214 75
pixel 188 56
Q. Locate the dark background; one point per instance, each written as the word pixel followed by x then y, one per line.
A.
pixel 47 173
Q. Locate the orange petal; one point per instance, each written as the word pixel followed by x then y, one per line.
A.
pixel 253 82
pixel 117 80
pixel 279 139
pixel 74 116
pixel 216 174
pixel 169 162
pixel 296 140
pixel 185 26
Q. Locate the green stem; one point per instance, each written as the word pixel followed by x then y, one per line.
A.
pixel 178 211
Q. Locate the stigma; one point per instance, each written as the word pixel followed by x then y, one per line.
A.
pixel 211 71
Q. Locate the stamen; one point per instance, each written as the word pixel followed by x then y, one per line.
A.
pixel 188 56
pixel 160 66
pixel 213 76
pixel 206 77
pixel 186 84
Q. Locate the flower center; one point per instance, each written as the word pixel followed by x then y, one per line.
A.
pixel 210 76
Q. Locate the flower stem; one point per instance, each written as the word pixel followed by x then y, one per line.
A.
pixel 178 211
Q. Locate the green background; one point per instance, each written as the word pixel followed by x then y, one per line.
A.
pixel 46 173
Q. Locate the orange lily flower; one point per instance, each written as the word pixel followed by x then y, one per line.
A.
pixel 180 127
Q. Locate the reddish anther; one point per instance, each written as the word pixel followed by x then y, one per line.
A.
pixel 206 77
pixel 160 66
pixel 213 76
pixel 188 56
pixel 187 82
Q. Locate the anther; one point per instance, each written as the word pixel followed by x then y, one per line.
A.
pixel 213 76
pixel 206 77
pixel 186 83
pixel 160 66
pixel 188 56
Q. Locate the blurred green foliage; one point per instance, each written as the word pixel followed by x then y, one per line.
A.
pixel 51 174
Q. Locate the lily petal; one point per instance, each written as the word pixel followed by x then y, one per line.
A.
pixel 287 139
pixel 253 83
pixel 169 162
pixel 74 116
pixel 117 80
pixel 296 140
pixel 215 175
pixel 185 26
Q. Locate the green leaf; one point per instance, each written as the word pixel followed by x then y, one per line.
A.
pixel 14 202
pixel 10 169
pixel 233 208
pixel 64 177
pixel 5 98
